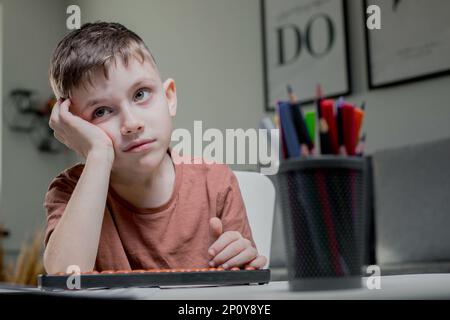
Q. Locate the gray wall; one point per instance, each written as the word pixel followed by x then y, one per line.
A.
pixel 30 31
pixel 402 115
pixel 213 50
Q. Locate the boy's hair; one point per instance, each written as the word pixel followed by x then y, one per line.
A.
pixel 93 47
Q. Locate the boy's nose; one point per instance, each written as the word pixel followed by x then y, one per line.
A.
pixel 131 130
pixel 131 125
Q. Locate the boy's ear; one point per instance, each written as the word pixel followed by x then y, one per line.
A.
pixel 170 92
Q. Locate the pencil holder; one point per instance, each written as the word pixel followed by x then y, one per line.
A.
pixel 325 204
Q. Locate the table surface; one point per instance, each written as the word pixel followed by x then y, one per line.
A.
pixel 412 286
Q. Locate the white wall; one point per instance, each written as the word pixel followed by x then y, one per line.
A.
pixel 31 30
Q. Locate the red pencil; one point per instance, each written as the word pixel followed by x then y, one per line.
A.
pixel 349 128
pixel 327 113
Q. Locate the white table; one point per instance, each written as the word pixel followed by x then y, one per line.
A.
pixel 416 286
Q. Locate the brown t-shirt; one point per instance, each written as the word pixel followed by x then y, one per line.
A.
pixel 174 235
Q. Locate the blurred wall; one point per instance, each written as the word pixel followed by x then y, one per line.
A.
pixel 31 29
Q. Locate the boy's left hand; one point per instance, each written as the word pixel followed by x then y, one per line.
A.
pixel 231 249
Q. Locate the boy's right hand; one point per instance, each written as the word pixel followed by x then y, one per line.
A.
pixel 78 134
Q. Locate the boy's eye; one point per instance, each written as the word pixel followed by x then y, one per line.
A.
pixel 141 95
pixel 100 112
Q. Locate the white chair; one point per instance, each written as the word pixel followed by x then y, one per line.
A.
pixel 258 194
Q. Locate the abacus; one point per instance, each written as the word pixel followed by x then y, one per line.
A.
pixel 156 278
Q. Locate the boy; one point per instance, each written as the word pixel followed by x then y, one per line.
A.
pixel 133 204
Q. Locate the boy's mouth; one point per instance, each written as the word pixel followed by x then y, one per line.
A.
pixel 138 145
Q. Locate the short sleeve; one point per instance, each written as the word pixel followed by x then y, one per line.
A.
pixel 231 207
pixel 56 199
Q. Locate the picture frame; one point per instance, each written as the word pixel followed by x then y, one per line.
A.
pixel 305 44
pixel 408 47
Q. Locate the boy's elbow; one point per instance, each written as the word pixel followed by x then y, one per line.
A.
pixel 52 265
pixel 47 266
pixel 48 262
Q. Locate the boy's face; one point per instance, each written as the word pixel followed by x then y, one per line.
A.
pixel 132 105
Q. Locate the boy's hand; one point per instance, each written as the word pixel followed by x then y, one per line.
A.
pixel 231 249
pixel 78 134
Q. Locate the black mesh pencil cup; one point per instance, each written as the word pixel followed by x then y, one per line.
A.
pixel 324 201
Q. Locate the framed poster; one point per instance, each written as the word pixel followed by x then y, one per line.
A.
pixel 304 44
pixel 412 44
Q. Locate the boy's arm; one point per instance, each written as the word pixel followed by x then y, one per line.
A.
pixel 234 245
pixel 75 239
